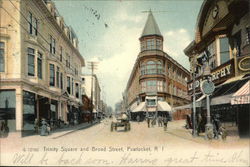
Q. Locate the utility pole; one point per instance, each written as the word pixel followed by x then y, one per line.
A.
pixel 92 66
pixel 193 68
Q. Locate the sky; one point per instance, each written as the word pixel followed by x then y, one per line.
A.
pixel 109 30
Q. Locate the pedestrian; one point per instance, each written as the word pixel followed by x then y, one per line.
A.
pixel 148 121
pixel 138 118
pixel 159 121
pixel 165 123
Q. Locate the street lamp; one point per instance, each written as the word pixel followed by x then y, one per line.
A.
pixel 207 87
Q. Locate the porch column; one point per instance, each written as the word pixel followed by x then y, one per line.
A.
pixel 19 109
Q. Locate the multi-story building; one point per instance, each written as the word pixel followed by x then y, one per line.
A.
pixel 155 76
pixel 222 41
pixel 40 64
pixel 91 83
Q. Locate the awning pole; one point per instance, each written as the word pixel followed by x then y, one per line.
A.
pixel 194 107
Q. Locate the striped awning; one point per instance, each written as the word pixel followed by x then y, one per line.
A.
pixel 242 96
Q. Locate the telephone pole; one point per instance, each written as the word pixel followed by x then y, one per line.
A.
pixel 92 66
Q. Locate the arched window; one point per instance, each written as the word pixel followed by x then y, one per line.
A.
pixel 152 67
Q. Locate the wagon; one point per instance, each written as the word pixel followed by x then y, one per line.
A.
pixel 120 123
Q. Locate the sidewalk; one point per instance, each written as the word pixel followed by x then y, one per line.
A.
pixel 65 131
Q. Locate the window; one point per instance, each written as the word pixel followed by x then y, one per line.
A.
pixel 77 90
pixel 212 56
pixel 2 63
pixel 32 25
pixel 52 45
pixel 83 80
pixel 224 50
pixel 158 44
pixel 35 26
pixel 152 67
pixel 150 44
pixel 31 62
pixel 68 85
pixel 57 76
pixel 39 65
pixel 61 54
pixel 143 46
pixel 151 102
pixel 52 75
pixel 248 35
pixel 72 87
pixel 61 80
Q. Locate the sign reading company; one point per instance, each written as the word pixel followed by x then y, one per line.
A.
pixel 244 64
pixel 215 75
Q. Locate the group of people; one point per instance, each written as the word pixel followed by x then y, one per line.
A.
pixel 201 121
pixel 162 122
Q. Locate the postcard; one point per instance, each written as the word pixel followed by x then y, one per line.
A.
pixel 124 82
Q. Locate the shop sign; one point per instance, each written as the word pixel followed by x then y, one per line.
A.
pixel 216 75
pixel 244 64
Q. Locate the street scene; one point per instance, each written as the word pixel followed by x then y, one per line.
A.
pixel 124 83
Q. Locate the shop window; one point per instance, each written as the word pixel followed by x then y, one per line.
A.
pixel 39 65
pixel 52 75
pixel 2 63
pixel 31 62
pixel 8 108
pixel 151 102
pixel 224 50
pixel 28 110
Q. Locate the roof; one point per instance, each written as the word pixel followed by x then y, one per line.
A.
pixel 151 27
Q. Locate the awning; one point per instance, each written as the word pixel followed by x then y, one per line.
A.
pixel 140 107
pixel 164 106
pixel 223 94
pixel 242 96
pixel 221 99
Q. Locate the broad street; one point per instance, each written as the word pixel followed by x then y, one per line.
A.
pixel 97 145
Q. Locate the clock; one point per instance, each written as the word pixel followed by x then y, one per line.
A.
pixel 215 11
pixel 207 87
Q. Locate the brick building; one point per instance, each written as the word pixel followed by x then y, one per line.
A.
pixel 157 82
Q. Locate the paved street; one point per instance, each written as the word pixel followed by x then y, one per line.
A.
pixel 97 141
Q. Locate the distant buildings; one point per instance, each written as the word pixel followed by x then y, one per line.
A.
pixel 157 82
pixel 222 40
pixel 96 94
pixel 40 64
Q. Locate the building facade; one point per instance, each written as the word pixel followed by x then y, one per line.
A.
pixel 96 95
pixel 222 42
pixel 40 64
pixel 155 76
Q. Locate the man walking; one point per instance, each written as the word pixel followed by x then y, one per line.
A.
pixel 165 123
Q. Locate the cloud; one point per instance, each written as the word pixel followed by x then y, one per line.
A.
pixel 120 47
pixel 175 42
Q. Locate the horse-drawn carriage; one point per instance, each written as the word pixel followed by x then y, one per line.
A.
pixel 121 122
